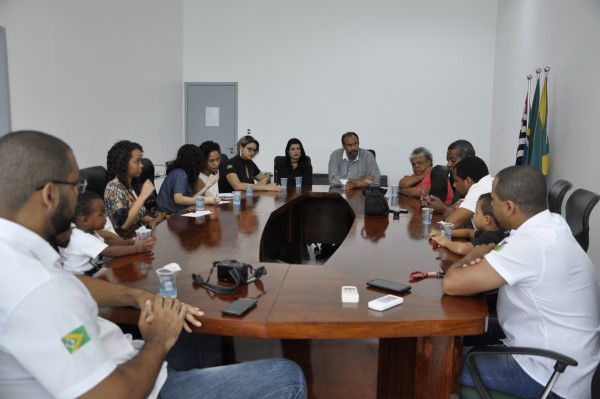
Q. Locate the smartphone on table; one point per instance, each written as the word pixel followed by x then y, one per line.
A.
pixel 388 285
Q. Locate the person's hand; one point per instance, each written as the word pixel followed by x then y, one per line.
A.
pixel 431 201
pixel 355 183
pixel 440 240
pixel 213 199
pixel 212 179
pixel 434 233
pixel 161 321
pixel 272 187
pixel 145 245
pixel 147 189
pixel 476 254
pixel 141 297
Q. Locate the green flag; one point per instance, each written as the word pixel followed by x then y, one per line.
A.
pixel 532 120
pixel 540 148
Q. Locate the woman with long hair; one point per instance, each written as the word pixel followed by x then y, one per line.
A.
pixel 296 163
pixel 125 193
pixel 209 174
pixel 176 192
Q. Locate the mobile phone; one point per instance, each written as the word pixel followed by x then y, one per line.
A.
pixel 388 285
pixel 239 307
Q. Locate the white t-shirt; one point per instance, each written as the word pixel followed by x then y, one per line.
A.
pixel 483 186
pixel 551 301
pixel 83 251
pixel 52 343
pixel 212 190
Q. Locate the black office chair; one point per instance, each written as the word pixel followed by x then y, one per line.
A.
pixel 373 152
pixel 556 195
pixel 479 391
pixel 277 160
pixel 148 174
pixel 96 179
pixel 578 210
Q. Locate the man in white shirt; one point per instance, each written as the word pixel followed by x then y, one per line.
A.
pixel 52 342
pixel 548 293
pixel 471 179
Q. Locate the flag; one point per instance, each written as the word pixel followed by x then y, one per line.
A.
pixel 523 147
pixel 540 147
pixel 532 120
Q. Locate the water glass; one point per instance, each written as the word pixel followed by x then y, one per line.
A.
pixel 249 190
pixel 199 203
pixel 394 190
pixel 446 230
pixel 427 215
pixel 167 280
pixel 283 183
pixel 298 181
pixel 237 197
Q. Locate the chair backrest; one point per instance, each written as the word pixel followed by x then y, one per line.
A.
pixel 147 171
pixel 96 179
pixel 320 179
pixel 279 159
pixel 556 194
pixel 578 209
pixel 373 152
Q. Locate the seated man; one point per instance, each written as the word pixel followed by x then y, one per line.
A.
pixel 471 179
pixel 356 165
pixel 457 151
pixel 548 293
pixel 52 342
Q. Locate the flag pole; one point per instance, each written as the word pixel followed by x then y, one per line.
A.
pixel 529 77
pixel 547 69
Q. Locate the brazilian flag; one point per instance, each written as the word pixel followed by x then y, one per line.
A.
pixel 540 147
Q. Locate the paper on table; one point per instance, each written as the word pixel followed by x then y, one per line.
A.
pixel 196 214
pixel 225 195
pixel 224 202
pixel 172 267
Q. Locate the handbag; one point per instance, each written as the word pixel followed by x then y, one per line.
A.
pixel 375 202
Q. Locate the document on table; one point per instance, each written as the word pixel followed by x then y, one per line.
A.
pixel 197 214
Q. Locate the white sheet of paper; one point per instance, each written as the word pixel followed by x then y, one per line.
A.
pixel 224 202
pixel 197 214
pixel 212 116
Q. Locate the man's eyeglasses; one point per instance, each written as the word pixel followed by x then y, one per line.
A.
pixel 251 149
pixel 81 184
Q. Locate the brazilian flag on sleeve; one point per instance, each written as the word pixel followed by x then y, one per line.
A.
pixel 540 147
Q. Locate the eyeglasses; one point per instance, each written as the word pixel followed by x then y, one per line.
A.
pixel 81 184
pixel 251 149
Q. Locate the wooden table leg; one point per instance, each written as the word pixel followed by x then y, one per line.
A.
pixel 420 368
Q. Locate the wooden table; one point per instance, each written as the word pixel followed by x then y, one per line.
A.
pixel 420 341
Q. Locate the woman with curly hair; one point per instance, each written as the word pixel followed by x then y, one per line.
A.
pixel 209 175
pixel 125 194
pixel 176 192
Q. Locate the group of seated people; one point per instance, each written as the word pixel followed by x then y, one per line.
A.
pixel 516 246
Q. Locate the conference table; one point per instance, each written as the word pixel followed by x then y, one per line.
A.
pixel 415 349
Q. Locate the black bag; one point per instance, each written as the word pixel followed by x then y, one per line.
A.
pixel 375 202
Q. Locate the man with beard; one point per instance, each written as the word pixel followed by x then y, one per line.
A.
pixel 353 164
pixel 548 294
pixel 52 342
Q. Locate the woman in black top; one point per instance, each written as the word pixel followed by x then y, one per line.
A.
pixel 241 171
pixel 295 163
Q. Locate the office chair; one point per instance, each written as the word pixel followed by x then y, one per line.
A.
pixel 148 174
pixel 279 159
pixel 320 179
pixel 373 152
pixel 556 194
pixel 578 210
pixel 96 179
pixel 479 391
pixel 147 171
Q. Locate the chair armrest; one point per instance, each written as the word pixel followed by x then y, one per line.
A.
pixel 561 364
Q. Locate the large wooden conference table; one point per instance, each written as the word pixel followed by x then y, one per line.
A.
pixel 418 345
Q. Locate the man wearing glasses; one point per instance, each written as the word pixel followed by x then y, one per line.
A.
pixel 351 166
pixel 52 342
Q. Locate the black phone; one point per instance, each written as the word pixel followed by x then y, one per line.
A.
pixel 239 307
pixel 388 285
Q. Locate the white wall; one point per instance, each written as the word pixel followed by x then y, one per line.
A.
pixel 564 36
pixel 95 72
pixel 401 74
